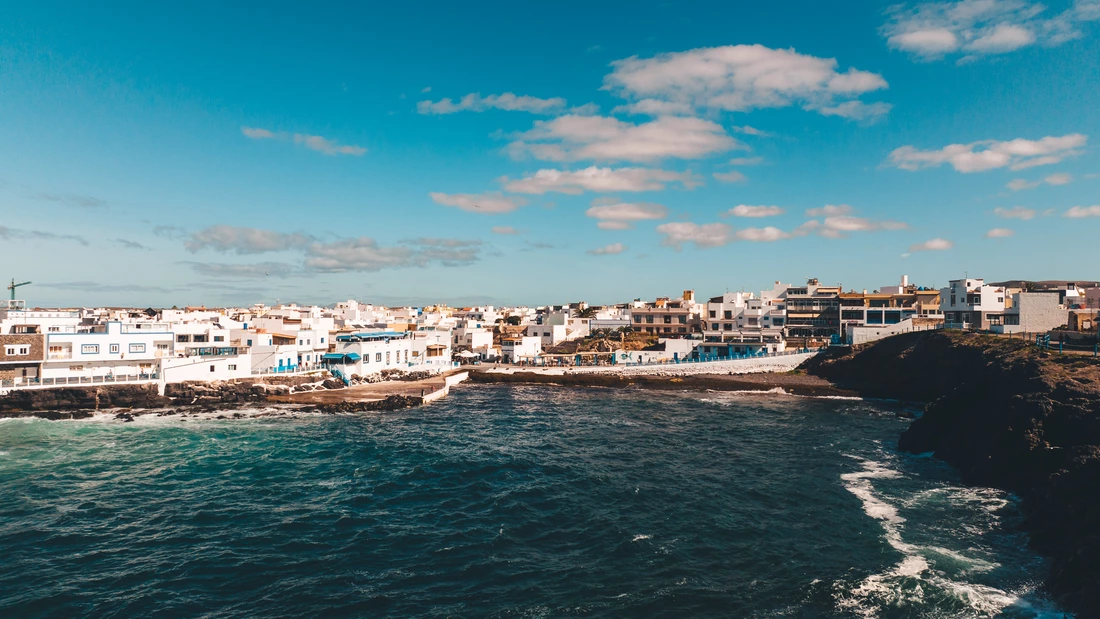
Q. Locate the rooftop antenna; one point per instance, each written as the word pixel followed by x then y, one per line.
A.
pixel 13 286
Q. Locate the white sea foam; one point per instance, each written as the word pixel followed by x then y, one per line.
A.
pixel 638 538
pixel 916 574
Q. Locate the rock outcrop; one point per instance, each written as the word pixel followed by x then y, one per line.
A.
pixel 79 402
pixel 1006 415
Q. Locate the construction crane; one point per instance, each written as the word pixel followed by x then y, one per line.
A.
pixel 13 286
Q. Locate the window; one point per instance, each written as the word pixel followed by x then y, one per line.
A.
pixel 17 351
pixel 301 342
pixel 727 327
pixel 184 338
pixel 753 322
pixel 682 320
pixel 649 319
pixel 219 338
pixel 249 342
pixel 76 368
pixel 159 347
pixel 145 367
pixel 713 313
pixel 728 314
pixel 199 338
pixel 89 349
pixel 212 368
pixel 55 329
pixel 668 320
pixel 114 349
pixel 322 340
pixel 378 357
pixel 387 357
pixel 637 319
pixel 232 367
pixel 141 347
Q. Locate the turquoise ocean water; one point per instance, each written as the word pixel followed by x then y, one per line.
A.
pixel 504 501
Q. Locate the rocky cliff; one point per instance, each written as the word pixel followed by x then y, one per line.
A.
pixel 1006 415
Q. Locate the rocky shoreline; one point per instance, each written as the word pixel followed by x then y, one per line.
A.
pixel 1006 415
pixel 795 382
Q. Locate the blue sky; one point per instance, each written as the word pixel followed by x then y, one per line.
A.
pixel 540 153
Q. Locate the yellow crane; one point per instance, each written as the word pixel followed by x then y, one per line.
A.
pixel 13 286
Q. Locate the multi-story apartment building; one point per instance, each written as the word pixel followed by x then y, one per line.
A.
pixel 739 323
pixel 813 310
pixel 966 303
pixel 668 317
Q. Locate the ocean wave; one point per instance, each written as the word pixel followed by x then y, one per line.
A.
pixel 927 575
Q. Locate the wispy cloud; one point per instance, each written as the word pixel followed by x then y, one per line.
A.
pixel 491 203
pixel 506 230
pixel 16 234
pixel 128 244
pixel 317 143
pixel 999 233
pixel 733 176
pixel 98 287
pixel 1078 212
pixel 89 202
pixel 677 234
pixel 609 250
pixel 1016 212
pixel 974 28
pixel 245 240
pixel 614 214
pixel 602 138
pixel 219 270
pixel 931 245
pixel 746 161
pixel 510 102
pixel 599 180
pixel 985 155
pixel 745 210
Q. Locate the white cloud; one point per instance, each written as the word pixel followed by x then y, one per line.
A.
pixel 505 230
pixel 599 180
pixel 747 130
pixel 510 102
pixel 702 235
pixel 932 245
pixel 617 215
pixel 739 78
pixel 1016 212
pixel 1078 212
pixel 857 110
pixel 365 254
pixel 490 203
pixel 768 234
pixel 1058 179
pixel 1019 184
pixel 313 142
pixel 744 210
pixel 426 89
pixel 999 233
pixel 602 138
pixel 838 222
pixel 932 30
pixel 830 210
pixel 257 133
pixel 244 240
pixel 610 250
pixel 746 161
pixel 991 154
pixel 733 176
pixel 654 107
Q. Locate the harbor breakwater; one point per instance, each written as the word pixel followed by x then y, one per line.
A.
pixel 1006 415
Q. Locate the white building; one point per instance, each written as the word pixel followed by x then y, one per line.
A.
pixel 371 352
pixel 114 349
pixel 515 349
pixel 431 349
pixel 738 323
pixel 966 303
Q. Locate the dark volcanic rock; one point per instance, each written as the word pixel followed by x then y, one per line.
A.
pixel 80 400
pixel 1010 416
pixel 393 402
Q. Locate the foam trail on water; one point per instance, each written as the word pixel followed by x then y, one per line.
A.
pixel 915 580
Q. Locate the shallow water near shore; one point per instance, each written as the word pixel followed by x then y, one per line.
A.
pixel 506 501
